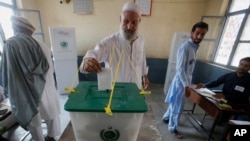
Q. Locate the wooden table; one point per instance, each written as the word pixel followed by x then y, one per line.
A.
pixel 211 107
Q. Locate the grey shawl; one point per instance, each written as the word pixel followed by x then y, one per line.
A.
pixel 24 67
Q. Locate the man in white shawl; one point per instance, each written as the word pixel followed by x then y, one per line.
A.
pixel 28 79
pixel 133 66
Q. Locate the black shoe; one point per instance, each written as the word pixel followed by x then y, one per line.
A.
pixel 47 138
pixel 165 120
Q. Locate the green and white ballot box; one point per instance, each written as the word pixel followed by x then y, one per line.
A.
pixel 90 121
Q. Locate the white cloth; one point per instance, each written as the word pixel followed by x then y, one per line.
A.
pixel 35 128
pixel 136 52
pixel 49 106
pixel 53 127
pixel 22 23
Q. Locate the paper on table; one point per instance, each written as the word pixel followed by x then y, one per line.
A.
pixel 208 93
pixel 205 92
pixel 104 79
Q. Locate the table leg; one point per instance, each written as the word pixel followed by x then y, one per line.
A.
pixel 210 135
pixel 225 132
pixel 193 108
pixel 190 113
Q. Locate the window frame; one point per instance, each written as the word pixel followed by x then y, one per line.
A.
pixel 237 39
pixel 16 11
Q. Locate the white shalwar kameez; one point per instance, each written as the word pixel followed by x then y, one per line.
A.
pixel 49 107
pixel 135 53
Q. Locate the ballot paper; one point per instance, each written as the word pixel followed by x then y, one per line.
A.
pixel 104 79
pixel 205 92
pixel 209 94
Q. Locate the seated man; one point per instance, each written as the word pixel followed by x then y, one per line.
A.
pixel 236 89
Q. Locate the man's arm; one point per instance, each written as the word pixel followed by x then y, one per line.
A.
pixel 217 82
pixel 145 82
pixel 91 60
pixel 181 64
pixel 90 65
pixel 214 83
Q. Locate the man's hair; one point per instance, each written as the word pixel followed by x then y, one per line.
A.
pixel 200 25
pixel 245 59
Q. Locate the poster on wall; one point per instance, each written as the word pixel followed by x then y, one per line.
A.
pixel 146 6
pixel 83 7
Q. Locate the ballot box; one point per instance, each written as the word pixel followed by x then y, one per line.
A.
pixel 90 121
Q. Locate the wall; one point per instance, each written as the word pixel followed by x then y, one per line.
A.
pixel 214 8
pixel 205 72
pixel 168 16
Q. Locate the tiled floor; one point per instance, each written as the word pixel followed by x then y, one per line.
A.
pixel 190 129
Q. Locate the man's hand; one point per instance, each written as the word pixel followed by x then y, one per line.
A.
pixel 219 95
pixel 187 91
pixel 200 85
pixel 145 82
pixel 91 65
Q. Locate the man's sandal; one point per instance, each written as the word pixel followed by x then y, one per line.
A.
pixel 177 134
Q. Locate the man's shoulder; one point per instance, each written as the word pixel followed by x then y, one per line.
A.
pixel 13 40
pixel 112 36
pixel 248 76
pixel 185 45
pixel 230 75
pixel 19 37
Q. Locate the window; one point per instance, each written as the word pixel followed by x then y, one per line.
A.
pixel 7 2
pixel 234 41
pixel 8 8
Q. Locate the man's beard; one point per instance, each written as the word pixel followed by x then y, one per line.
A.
pixel 128 34
pixel 196 41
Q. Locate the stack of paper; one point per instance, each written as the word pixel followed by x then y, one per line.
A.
pixel 205 92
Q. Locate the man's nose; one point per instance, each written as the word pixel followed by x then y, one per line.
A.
pixel 129 25
pixel 200 36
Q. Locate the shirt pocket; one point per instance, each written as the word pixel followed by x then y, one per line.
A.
pixel 139 57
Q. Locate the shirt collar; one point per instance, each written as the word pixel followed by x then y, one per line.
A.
pixel 192 43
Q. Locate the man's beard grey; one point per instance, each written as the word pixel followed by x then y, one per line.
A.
pixel 128 34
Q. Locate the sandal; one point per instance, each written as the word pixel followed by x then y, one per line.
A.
pixel 165 120
pixel 47 138
pixel 177 134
